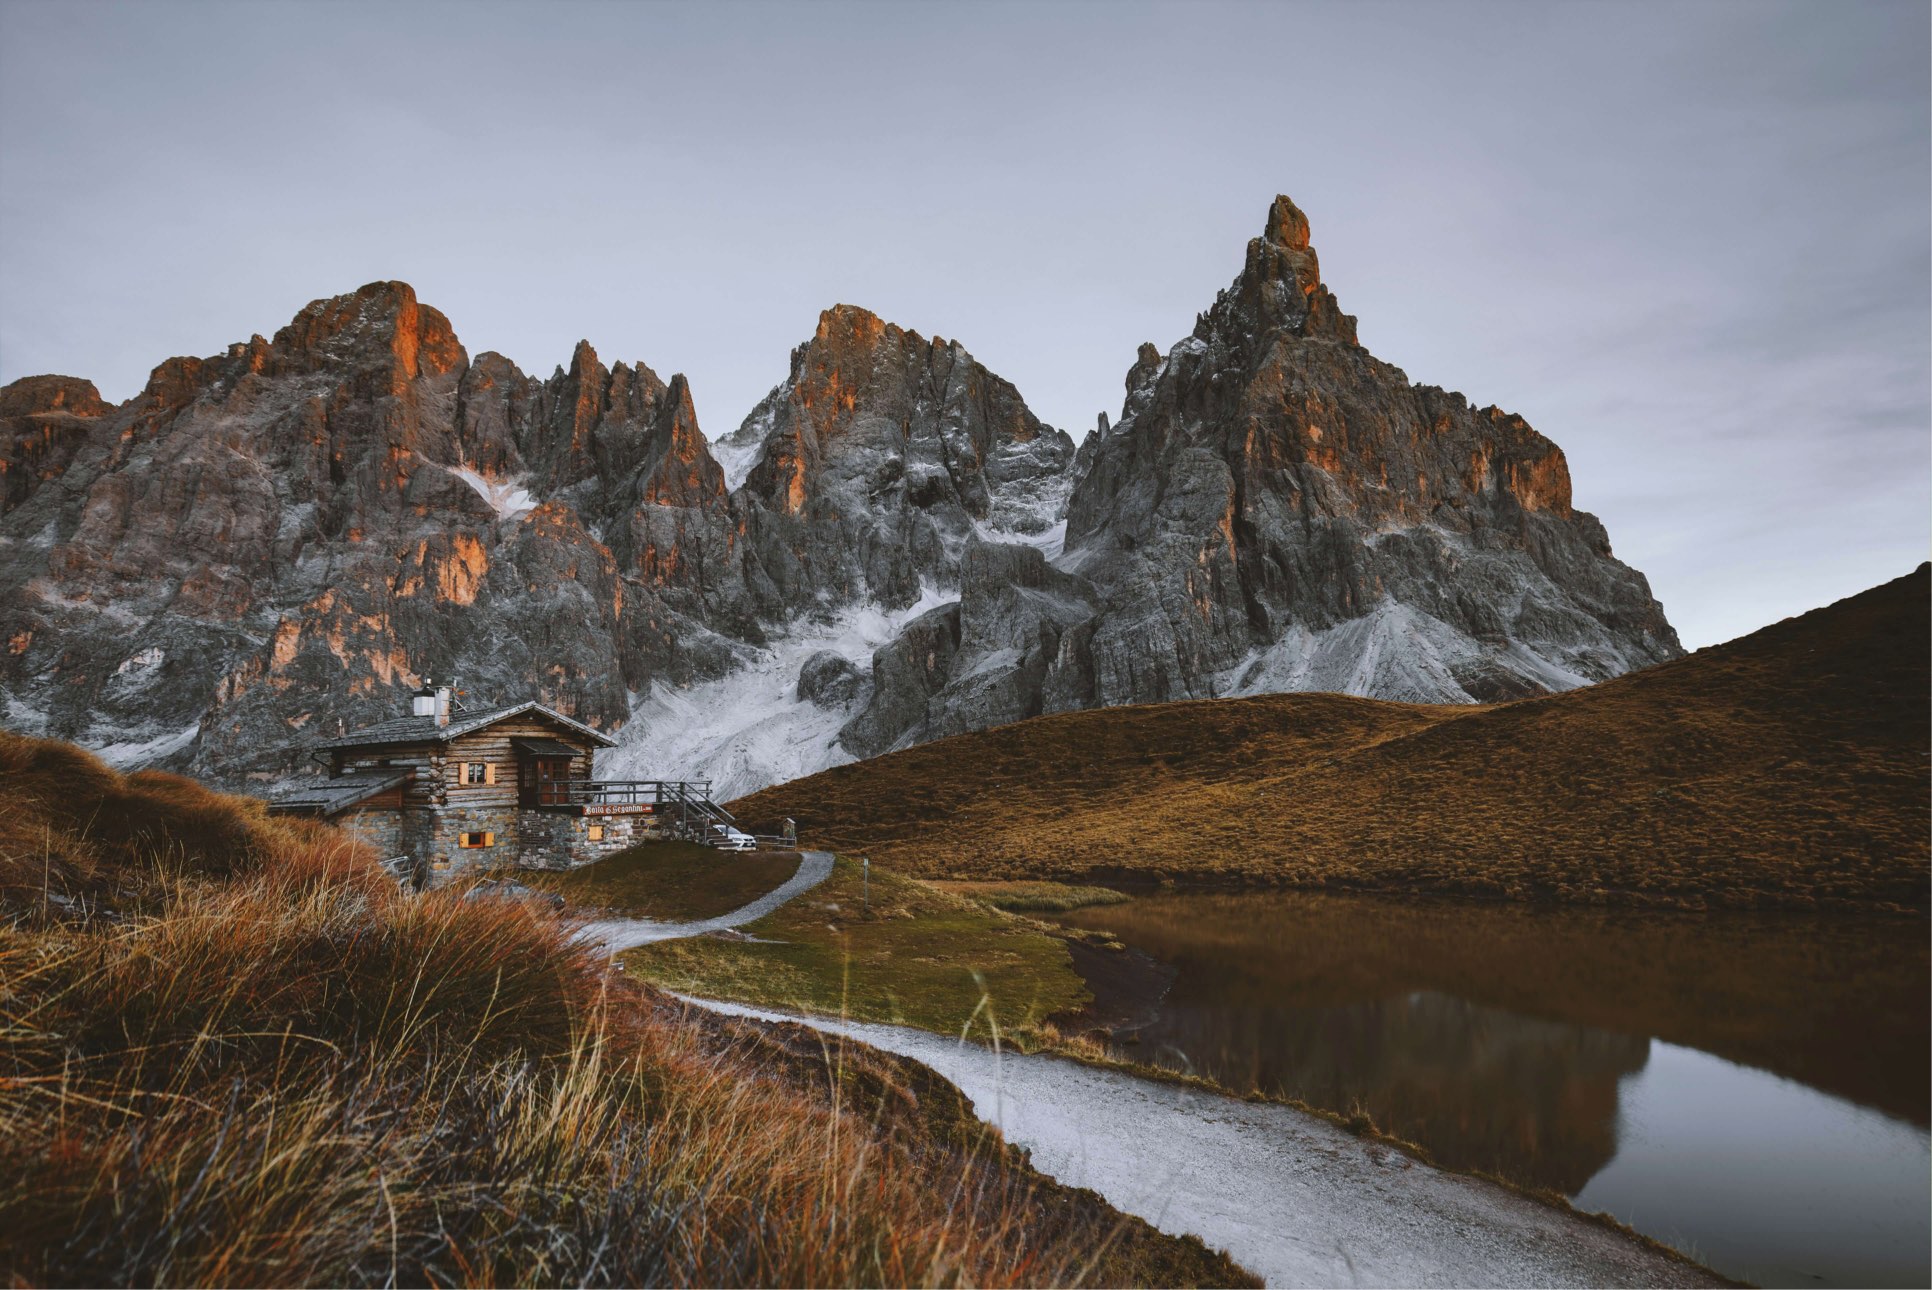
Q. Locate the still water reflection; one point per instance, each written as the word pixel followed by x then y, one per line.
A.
pixel 1752 1089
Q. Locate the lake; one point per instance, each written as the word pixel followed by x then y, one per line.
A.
pixel 1752 1089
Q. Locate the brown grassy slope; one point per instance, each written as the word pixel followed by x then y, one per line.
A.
pixel 235 1055
pixel 1786 768
pixel 75 833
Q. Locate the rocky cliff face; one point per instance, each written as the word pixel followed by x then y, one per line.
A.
pixel 44 420
pixel 289 535
pixel 880 457
pixel 1304 486
pixel 891 547
pixel 1277 509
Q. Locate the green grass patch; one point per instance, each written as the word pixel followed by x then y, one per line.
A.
pixel 1035 897
pixel 674 881
pixel 914 956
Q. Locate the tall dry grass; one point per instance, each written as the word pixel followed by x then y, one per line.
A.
pixel 76 834
pixel 267 1066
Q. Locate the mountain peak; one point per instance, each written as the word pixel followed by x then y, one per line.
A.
pixel 384 320
pixel 1287 226
pixel 851 322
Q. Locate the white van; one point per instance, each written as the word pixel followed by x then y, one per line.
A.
pixel 726 838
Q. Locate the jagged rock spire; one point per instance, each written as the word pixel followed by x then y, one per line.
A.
pixel 1287 226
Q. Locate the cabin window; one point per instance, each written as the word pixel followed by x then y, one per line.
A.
pixel 595 832
pixel 479 772
pixel 477 840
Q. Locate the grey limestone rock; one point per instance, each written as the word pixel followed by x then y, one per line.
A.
pixel 291 534
pixel 830 680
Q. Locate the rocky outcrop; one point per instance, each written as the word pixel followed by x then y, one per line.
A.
pixel 1000 654
pixel 879 458
pixel 892 547
pixel 44 420
pixel 289 535
pixel 1288 484
pixel 829 679
pixel 1277 509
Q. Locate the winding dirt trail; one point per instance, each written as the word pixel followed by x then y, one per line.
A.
pixel 620 934
pixel 1292 1197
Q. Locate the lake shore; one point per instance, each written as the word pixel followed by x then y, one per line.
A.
pixel 1292 1197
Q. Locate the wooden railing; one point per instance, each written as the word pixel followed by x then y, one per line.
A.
pixel 685 804
pixel 626 792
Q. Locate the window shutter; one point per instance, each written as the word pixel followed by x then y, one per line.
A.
pixel 489 772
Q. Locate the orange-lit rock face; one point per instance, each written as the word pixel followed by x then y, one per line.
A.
pixel 449 568
pixel 462 572
pixel 1287 226
pixel 1541 483
pixel 337 512
pixel 44 422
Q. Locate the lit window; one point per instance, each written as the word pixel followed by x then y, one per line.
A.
pixel 596 832
pixel 477 840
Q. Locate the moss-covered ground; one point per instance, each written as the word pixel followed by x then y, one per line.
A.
pixel 887 949
pixel 1035 897
pixel 672 881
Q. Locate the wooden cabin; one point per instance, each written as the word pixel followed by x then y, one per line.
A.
pixel 444 790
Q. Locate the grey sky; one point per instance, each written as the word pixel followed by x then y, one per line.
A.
pixel 1688 242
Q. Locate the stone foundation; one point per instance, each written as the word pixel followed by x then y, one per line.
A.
pixel 554 840
pixel 431 839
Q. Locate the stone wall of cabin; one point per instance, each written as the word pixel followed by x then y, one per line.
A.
pixel 444 828
pixel 382 827
pixel 557 840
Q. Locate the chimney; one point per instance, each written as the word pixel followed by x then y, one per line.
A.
pixel 423 703
pixel 442 705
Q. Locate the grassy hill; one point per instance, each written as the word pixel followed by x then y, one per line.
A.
pixel 1786 768
pixel 235 1054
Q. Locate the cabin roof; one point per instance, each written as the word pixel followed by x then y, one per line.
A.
pixel 419 730
pixel 544 747
pixel 327 797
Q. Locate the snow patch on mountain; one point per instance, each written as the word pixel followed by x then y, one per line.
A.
pixel 740 450
pixel 508 498
pixel 134 753
pixel 749 729
pixel 1393 652
pixel 1050 541
pixel 737 459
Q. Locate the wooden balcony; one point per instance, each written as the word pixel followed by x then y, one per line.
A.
pixel 679 799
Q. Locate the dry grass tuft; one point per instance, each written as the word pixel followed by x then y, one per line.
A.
pixel 1034 897
pixel 1786 769
pixel 77 836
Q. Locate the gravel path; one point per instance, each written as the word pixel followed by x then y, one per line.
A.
pixel 1292 1197
pixel 619 934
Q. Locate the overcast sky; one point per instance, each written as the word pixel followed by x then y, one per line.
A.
pixel 1687 242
